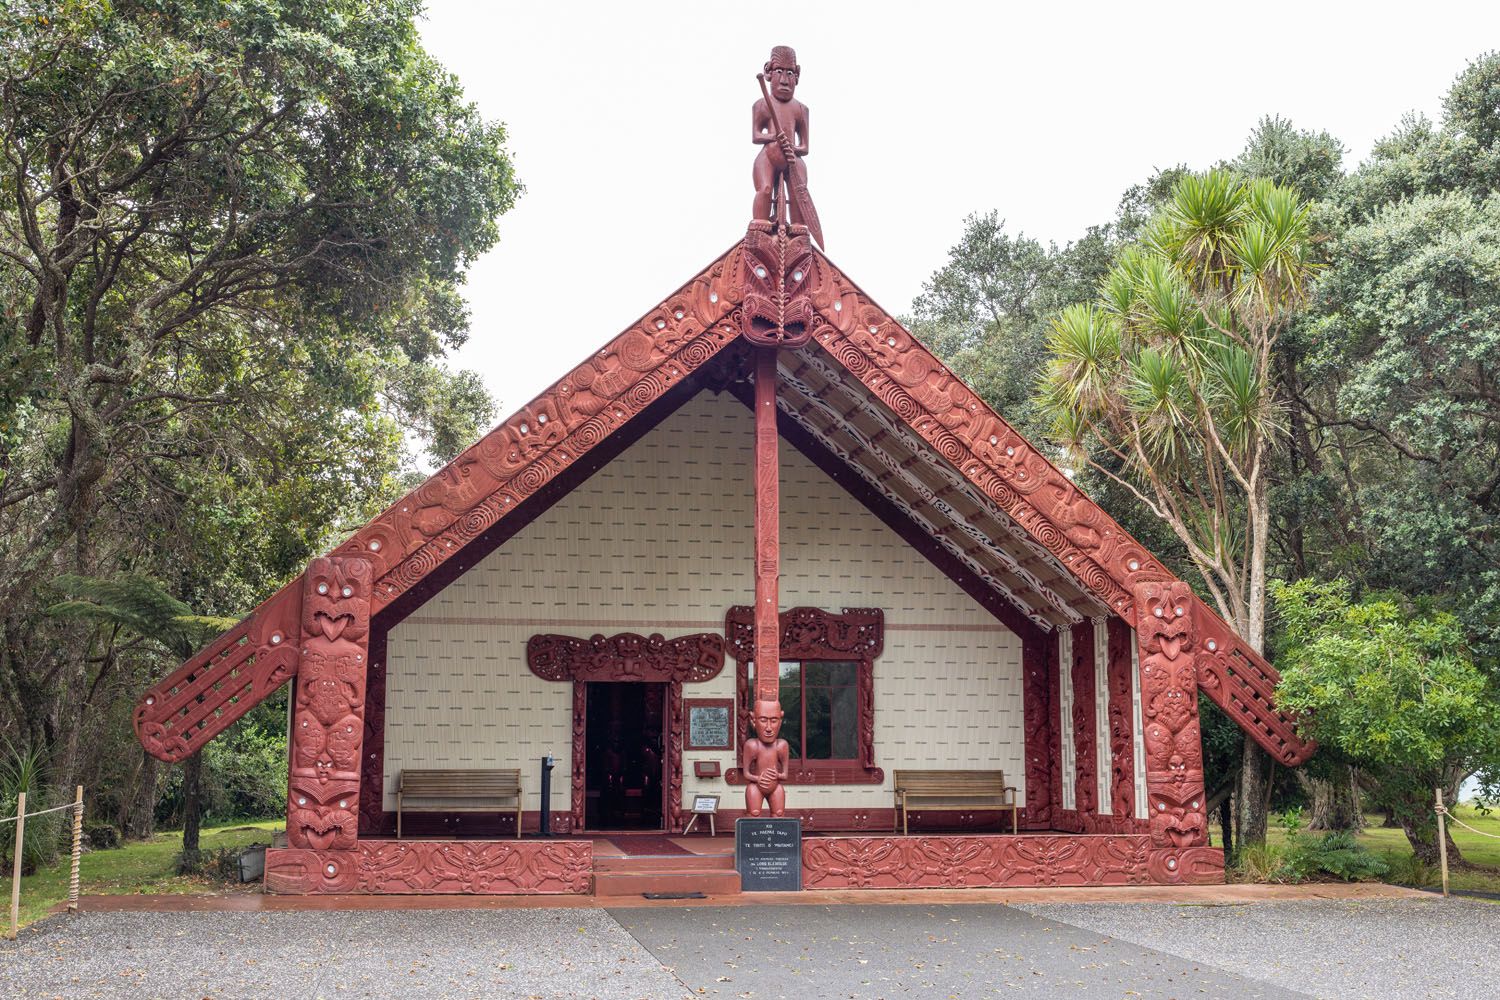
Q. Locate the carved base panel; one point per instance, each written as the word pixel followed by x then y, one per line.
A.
pixel 419 867
pixel 931 862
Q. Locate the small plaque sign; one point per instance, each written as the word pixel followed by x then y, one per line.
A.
pixel 710 724
pixel 768 854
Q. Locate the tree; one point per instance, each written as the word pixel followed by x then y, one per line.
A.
pixel 1393 688
pixel 983 312
pixel 133 611
pixel 1165 387
pixel 233 238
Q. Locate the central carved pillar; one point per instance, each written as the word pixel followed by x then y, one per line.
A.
pixel 765 756
pixel 767 530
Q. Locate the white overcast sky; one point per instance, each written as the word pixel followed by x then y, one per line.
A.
pixel 629 125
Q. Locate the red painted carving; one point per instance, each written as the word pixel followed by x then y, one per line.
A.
pixel 932 862
pixel 814 634
pixel 764 760
pixel 1243 684
pixel 1019 480
pixel 328 724
pixel 1038 708
pixel 373 819
pixel 1086 757
pixel 628 657
pixel 222 681
pixel 778 124
pixel 1121 722
pixel 483 485
pixel 506 867
pixel 777 270
pixel 1166 635
pixel 767 530
pixel 580 748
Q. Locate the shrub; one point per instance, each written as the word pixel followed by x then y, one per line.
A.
pixel 21 770
pixel 1336 854
pixel 100 834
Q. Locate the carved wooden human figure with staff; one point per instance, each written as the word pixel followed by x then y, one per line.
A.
pixel 779 127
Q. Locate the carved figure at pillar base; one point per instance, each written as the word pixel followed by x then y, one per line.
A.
pixel 764 760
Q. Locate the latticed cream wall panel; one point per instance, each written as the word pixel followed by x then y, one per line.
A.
pixel 660 540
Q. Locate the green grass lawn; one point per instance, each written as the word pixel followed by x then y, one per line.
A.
pixel 1390 844
pixel 140 866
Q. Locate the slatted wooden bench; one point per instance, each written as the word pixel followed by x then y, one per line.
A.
pixel 461 791
pixel 983 788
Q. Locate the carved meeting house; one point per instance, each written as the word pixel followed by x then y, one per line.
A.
pixel 763 495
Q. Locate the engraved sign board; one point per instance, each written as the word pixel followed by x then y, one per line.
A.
pixel 710 724
pixel 768 854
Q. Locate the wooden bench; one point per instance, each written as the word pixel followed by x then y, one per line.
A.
pixel 461 791
pixel 984 788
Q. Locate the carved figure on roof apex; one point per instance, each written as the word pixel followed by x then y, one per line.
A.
pixel 779 127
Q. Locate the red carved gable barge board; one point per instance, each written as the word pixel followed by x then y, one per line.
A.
pixel 432 524
pixel 420 534
pixel 915 385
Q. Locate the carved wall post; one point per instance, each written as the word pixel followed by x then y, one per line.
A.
pixel 1166 632
pixel 328 714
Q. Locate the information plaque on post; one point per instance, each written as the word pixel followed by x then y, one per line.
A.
pixel 768 854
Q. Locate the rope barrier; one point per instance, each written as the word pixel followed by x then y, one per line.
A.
pixel 1444 811
pixel 41 812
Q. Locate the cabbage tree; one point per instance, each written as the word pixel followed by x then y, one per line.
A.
pixel 1165 385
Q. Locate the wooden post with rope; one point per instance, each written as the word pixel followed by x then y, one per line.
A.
pixel 1442 838
pixel 15 878
pixel 77 849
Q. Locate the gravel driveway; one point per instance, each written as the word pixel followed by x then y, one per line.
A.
pixel 397 954
pixel 1335 949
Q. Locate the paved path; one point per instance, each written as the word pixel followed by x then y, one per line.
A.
pixel 1339 949
pixel 1373 948
pixel 802 952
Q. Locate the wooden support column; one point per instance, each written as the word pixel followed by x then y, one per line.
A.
pixel 767 531
pixel 1167 634
pixel 328 725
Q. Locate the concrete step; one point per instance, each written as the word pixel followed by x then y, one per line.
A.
pixel 663 862
pixel 633 883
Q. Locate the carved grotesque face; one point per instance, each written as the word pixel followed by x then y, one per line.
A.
pixel 767 720
pixel 337 589
pixel 782 73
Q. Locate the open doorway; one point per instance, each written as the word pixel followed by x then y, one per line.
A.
pixel 623 751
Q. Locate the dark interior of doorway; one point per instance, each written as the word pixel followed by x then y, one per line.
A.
pixel 623 739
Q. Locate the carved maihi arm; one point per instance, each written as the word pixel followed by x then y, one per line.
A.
pixel 223 681
pixel 1243 683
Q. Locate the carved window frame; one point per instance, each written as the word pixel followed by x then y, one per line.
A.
pixel 810 634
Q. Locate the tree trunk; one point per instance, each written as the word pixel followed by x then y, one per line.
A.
pixel 1335 803
pixel 1226 822
pixel 192 805
pixel 1254 798
pixel 138 814
pixel 1419 823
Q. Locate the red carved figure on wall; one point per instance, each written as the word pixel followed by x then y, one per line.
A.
pixel 764 760
pixel 1169 700
pixel 328 730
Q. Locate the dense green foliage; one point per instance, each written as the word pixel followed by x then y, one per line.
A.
pixel 1391 688
pixel 1380 389
pixel 233 239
